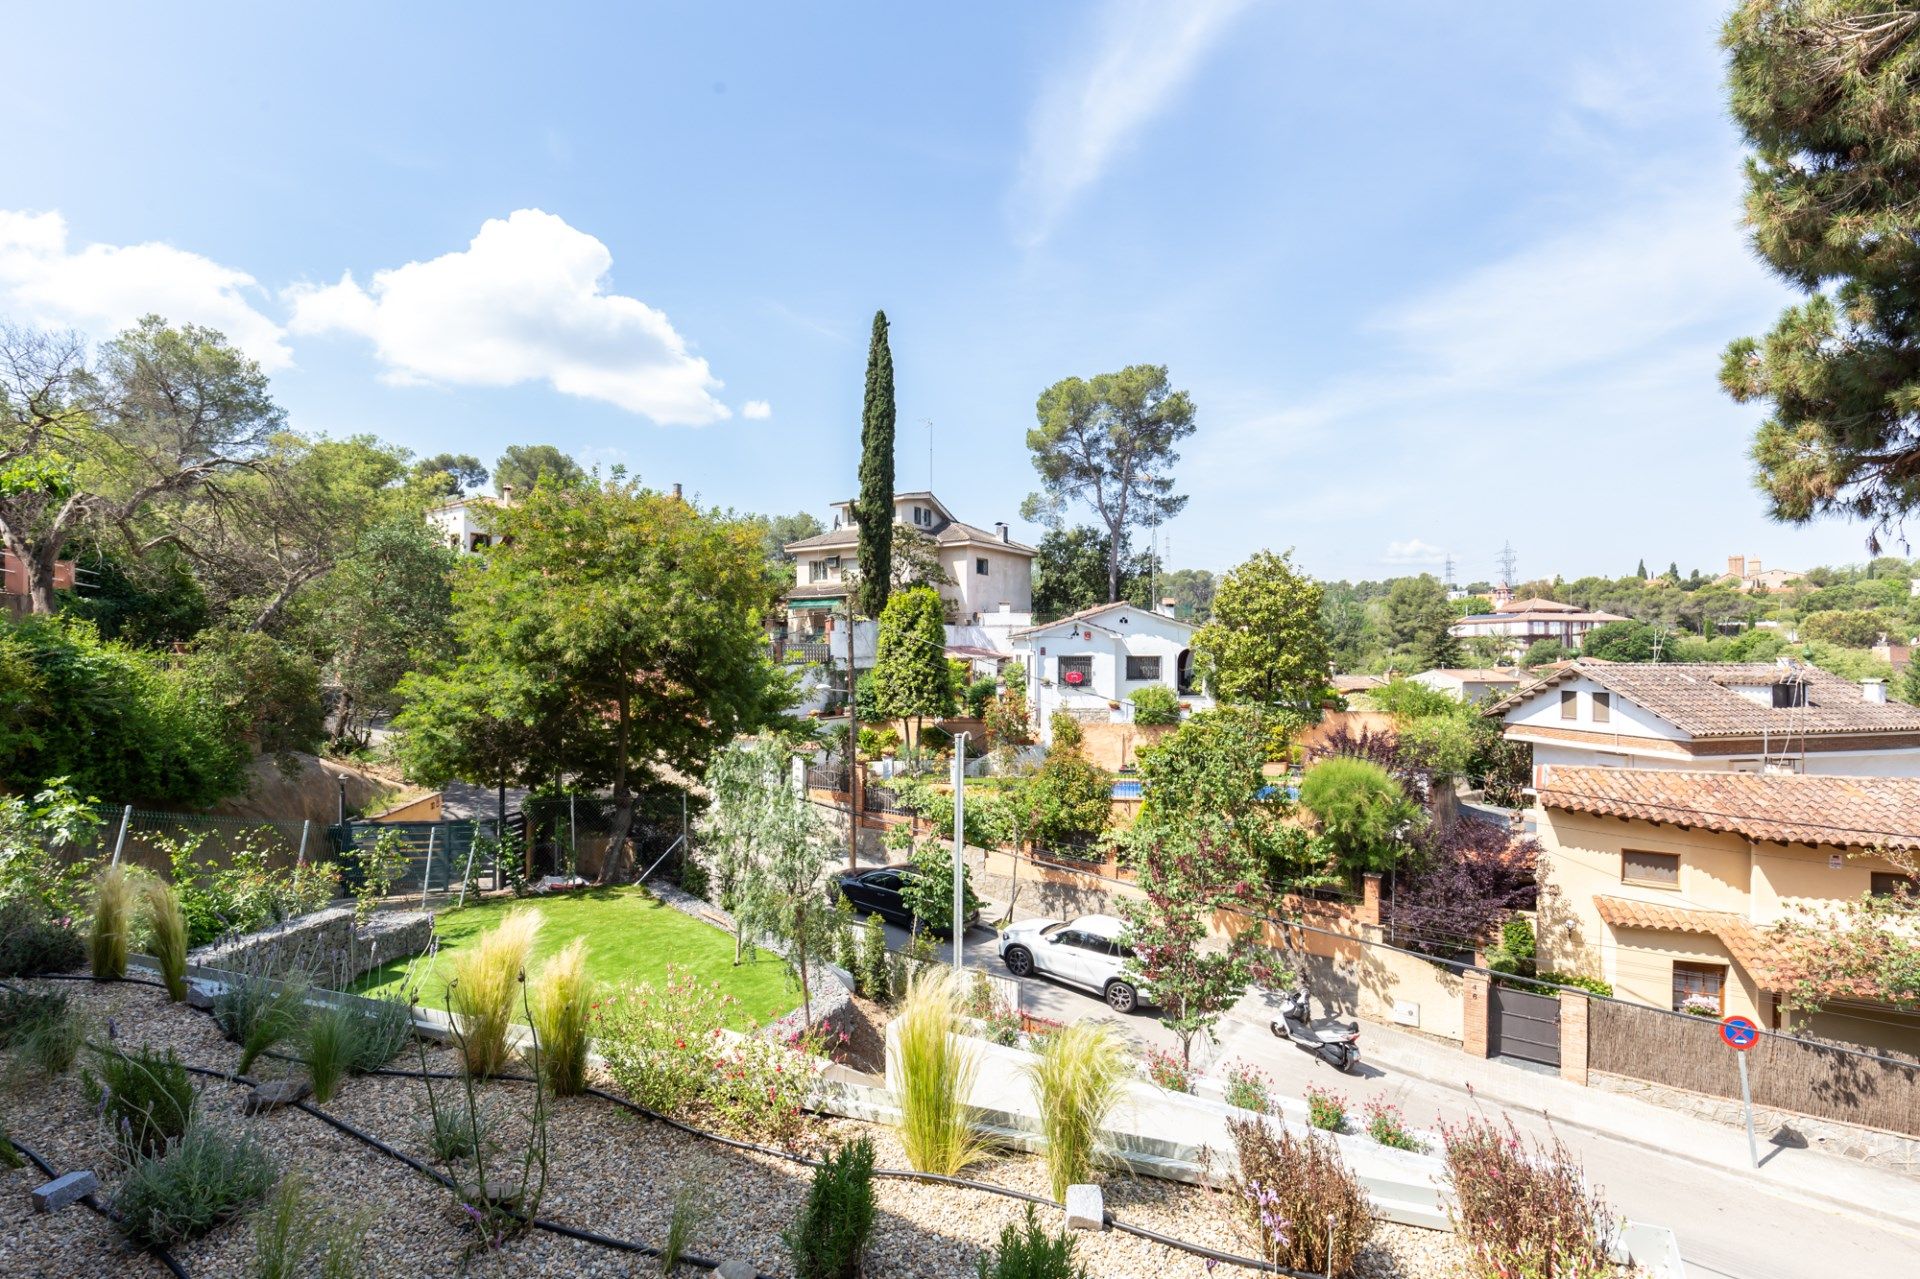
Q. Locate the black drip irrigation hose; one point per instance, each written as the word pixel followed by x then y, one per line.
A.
pixel 898 1174
pixel 164 1257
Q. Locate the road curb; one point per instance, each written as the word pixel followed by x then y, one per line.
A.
pixel 1813 1198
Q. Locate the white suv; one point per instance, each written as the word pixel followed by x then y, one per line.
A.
pixel 1083 952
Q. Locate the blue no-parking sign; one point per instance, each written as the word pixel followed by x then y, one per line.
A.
pixel 1739 1032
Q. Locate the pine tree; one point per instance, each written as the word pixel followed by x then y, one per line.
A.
pixel 1641 572
pixel 1823 90
pixel 1673 570
pixel 874 507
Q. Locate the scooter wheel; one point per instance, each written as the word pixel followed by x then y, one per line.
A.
pixel 1279 1031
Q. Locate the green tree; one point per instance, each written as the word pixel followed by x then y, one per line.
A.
pixel 873 510
pixel 1192 591
pixel 1823 90
pixel 618 627
pixel 1541 652
pixel 1108 441
pixel 267 690
pixel 1849 628
pixel 1419 622
pixel 450 474
pixel 1069 572
pixel 1622 642
pixel 910 662
pixel 779 531
pixel 163 416
pixel 1266 645
pixel 522 466
pixel 928 890
pixel 387 607
pixel 1361 809
pixel 1641 571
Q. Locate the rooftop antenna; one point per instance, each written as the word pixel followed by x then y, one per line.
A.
pixel 1509 565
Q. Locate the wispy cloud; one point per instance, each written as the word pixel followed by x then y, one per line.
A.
pixel 1142 55
pixel 1413 551
pixel 756 410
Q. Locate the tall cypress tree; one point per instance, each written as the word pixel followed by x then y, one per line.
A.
pixel 874 508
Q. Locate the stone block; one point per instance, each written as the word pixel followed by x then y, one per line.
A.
pixel 61 1191
pixel 1086 1208
pixel 199 996
pixel 736 1269
pixel 274 1094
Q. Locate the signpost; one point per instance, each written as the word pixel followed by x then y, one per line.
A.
pixel 959 851
pixel 1741 1034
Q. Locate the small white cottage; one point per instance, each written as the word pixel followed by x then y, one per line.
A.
pixel 1089 663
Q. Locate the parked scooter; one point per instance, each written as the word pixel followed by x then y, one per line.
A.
pixel 1338 1043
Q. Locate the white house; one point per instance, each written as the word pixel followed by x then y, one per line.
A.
pixel 988 573
pixel 463 524
pixel 1519 624
pixel 1088 664
pixel 1712 716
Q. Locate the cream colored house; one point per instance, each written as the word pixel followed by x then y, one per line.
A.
pixel 1666 883
pixel 988 574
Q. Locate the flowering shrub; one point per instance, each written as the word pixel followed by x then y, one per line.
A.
pixel 1168 1071
pixel 1326 1109
pixel 1386 1125
pixel 1700 1006
pixel 659 1041
pixel 1300 1200
pixel 1526 1211
pixel 984 1004
pixel 1247 1088
pixel 244 892
pixel 758 1088
pixel 1039 1030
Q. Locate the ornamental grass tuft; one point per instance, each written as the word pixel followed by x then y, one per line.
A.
pixel 167 923
pixel 111 932
pixel 1079 1079
pixel 560 1003
pixel 484 990
pixel 932 1069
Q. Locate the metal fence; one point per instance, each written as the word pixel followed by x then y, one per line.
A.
pixel 1788 1073
pixel 441 856
pixel 145 837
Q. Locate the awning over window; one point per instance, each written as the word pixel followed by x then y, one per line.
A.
pixel 798 605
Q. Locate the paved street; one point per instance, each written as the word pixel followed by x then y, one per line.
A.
pixel 1649 1161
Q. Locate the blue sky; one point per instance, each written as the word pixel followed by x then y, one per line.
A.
pixel 1435 277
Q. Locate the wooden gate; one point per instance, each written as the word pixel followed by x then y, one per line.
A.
pixel 1524 1025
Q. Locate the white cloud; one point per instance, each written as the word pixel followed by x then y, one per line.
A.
pixel 525 301
pixel 1413 551
pixel 101 289
pixel 1143 55
pixel 756 410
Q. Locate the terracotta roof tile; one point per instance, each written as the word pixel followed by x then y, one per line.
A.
pixel 1848 812
pixel 1700 698
pixel 1745 943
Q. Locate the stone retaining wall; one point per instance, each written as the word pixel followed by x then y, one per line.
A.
pixel 324 943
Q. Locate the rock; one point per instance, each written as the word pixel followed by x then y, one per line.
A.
pixel 736 1269
pixel 199 996
pixel 501 1192
pixel 61 1191
pixel 274 1094
pixel 1086 1208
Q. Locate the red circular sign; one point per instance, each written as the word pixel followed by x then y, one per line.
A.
pixel 1074 677
pixel 1739 1032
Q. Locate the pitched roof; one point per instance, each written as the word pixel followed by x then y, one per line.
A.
pixel 1735 932
pixel 1846 812
pixel 1699 698
pixel 1536 604
pixel 1476 675
pixel 1555 614
pixel 1358 683
pixel 954 533
pixel 1086 613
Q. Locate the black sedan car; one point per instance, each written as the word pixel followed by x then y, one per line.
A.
pixel 877 892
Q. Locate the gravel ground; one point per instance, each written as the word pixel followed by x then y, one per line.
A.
pixel 610 1172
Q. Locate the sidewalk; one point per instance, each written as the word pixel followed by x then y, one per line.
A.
pixel 1804 1173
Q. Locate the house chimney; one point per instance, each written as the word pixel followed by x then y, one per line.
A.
pixel 506 494
pixel 1001 529
pixel 676 491
pixel 1736 566
pixel 1874 690
pixel 1167 606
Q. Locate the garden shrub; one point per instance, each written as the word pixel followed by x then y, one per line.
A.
pixel 1360 806
pixel 1326 1109
pixel 41 1030
pixel 1029 1251
pixel 1386 1125
pixel 1155 704
pixel 167 932
pixel 1247 1087
pixel 875 967
pixel 146 1098
pixel 111 932
pixel 1000 1023
pixel 1078 1081
pixel 384 862
pixel 32 943
pixel 759 1088
pixel 1592 985
pixel 933 1070
pixel 1526 1210
pixel 241 892
pixel 1514 955
pixel 1168 1071
pixel 560 998
pixel 658 1041
pixel 34 832
pixel 486 982
pixel 827 1239
pixel 1288 1188
pixel 191 1186
pixel 257 1012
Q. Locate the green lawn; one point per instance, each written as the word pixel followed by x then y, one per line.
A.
pixel 631 937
